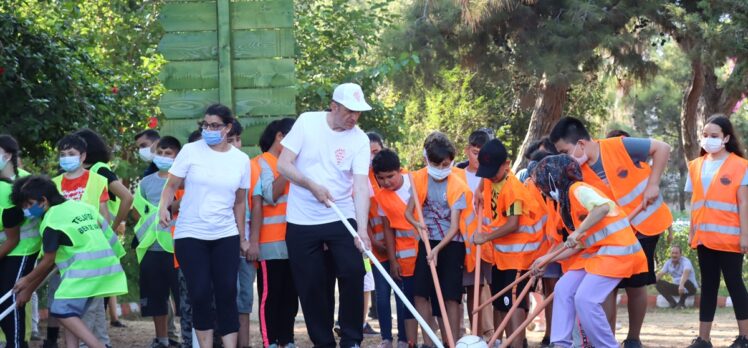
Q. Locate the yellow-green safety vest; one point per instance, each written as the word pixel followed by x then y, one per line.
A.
pixel 112 205
pixel 31 241
pixel 88 268
pixel 147 230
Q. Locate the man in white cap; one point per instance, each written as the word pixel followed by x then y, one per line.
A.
pixel 326 158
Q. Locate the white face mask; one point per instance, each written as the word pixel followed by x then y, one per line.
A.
pixel 145 154
pixel 581 159
pixel 712 145
pixel 554 189
pixel 4 161
pixel 439 174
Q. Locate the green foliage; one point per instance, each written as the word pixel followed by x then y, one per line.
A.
pixel 73 64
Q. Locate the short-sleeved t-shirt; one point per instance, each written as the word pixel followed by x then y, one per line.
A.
pixel 591 199
pixel 74 188
pixel 211 179
pixel 328 158
pixel 12 217
pixel 637 148
pixel 403 193
pixel 472 180
pixel 676 271
pixel 514 209
pixel 709 169
pixel 437 213
pixel 110 178
pixel 52 239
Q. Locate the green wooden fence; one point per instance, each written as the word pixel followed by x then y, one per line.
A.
pixel 238 53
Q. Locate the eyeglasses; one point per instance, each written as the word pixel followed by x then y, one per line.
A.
pixel 211 126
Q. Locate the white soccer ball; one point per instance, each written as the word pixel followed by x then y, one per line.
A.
pixel 471 342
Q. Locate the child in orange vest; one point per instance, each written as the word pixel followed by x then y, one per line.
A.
pixel 444 197
pixel 609 252
pixel 399 237
pixel 516 223
pixel 719 183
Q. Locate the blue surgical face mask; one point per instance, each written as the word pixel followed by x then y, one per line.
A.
pixel 212 137
pixel 70 163
pixel 35 210
pixel 163 163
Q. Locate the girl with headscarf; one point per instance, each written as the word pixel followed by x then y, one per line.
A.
pixel 601 250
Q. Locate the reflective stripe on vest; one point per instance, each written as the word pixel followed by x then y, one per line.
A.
pixel 85 256
pixel 278 219
pixel 517 248
pixel 616 250
pixel 96 272
pixel 378 236
pixel 537 227
pixel 638 190
pixel 145 226
pixel 646 213
pixel 25 234
pixel 605 232
pixel 714 228
pixel 402 254
pixel 717 205
pixel 405 234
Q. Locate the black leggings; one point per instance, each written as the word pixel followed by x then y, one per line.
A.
pixel 13 268
pixel 210 268
pixel 712 262
pixel 279 302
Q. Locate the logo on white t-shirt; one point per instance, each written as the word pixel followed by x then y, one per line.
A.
pixel 339 155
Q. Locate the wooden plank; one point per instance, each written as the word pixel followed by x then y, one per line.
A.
pixel 266 102
pixel 262 73
pixel 190 75
pixel 251 151
pixel 201 45
pixel 193 16
pixel 187 104
pixel 263 43
pixel 180 129
pixel 253 128
pixel 225 84
pixel 262 14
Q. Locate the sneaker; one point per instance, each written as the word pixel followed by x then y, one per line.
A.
pixel 545 343
pixel 740 342
pixel 35 336
pixel 336 329
pixel 291 345
pixel 49 344
pixel 369 331
pixel 118 323
pixel 173 343
pixel 157 344
pixel 700 343
pixel 385 344
pixel 401 344
pixel 632 343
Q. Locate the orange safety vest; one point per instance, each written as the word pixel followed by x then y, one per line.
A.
pixel 714 216
pixel 273 216
pixel 456 187
pixel 610 246
pixel 406 237
pixel 551 236
pixel 626 185
pixel 486 253
pixel 254 177
pixel 516 250
pixel 375 221
pixel 177 196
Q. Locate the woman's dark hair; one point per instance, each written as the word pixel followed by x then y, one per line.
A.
pixel 544 143
pixel 267 138
pixel 72 141
pixel 10 146
pixel 733 145
pixel 169 142
pixel 96 149
pixel 439 148
pixel 195 136
pixel 221 111
pixel 385 161
pixel 374 137
pixel 236 129
pixel 35 187
pixel 617 133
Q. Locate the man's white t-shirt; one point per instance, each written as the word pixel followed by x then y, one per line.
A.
pixel 328 158
pixel 403 193
pixel 472 180
pixel 211 179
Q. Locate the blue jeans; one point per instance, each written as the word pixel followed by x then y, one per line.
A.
pixel 384 310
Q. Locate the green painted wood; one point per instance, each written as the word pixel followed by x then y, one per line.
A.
pixel 253 128
pixel 187 104
pixel 180 129
pixel 263 43
pixel 271 102
pixel 193 16
pixel 262 73
pixel 262 14
pixel 251 151
pixel 255 73
pixel 225 84
pixel 190 75
pixel 189 46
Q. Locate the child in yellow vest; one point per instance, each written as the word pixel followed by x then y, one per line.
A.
pixel 73 239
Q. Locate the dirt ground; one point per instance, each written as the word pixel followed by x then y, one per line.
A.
pixel 662 328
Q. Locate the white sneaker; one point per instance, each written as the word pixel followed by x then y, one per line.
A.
pixel 385 344
pixel 401 344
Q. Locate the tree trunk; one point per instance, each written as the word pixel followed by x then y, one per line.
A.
pixel 548 107
pixel 682 166
pixel 690 115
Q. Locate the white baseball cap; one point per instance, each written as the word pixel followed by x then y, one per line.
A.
pixel 351 96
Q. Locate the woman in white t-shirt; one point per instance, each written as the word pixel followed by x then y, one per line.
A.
pixel 212 212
